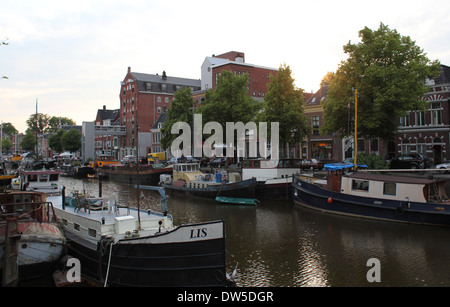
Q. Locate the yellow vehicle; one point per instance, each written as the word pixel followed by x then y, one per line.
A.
pixel 156 157
pixel 103 160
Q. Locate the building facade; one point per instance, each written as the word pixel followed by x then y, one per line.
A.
pixel 143 97
pixel 428 132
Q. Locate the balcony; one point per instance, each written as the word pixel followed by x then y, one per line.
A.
pixel 110 130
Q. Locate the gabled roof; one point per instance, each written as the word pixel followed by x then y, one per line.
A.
pixel 161 119
pixel 444 76
pixel 107 114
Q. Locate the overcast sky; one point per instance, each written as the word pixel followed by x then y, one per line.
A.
pixel 72 55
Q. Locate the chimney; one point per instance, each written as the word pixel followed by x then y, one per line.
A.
pixel 164 76
pixel 129 69
pixel 104 107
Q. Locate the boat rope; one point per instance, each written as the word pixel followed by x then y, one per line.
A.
pixel 109 264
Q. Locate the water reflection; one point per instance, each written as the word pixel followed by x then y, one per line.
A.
pixel 283 245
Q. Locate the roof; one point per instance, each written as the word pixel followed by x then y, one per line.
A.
pixel 107 114
pixel 444 77
pixel 142 79
pixel 390 178
pixel 161 119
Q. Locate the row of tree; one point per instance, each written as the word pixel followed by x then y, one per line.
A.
pixel 39 123
pixel 387 69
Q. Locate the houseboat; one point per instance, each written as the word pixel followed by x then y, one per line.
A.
pixel 274 178
pixel 375 196
pixel 123 246
pixel 188 180
pixel 148 174
pixel 45 180
pixel 5 178
pixel 31 240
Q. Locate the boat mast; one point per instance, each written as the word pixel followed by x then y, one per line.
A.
pixel 356 130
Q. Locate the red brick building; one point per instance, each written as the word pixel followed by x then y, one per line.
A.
pixel 427 132
pixel 143 97
pixel 235 62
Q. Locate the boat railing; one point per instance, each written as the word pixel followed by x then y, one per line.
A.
pixel 39 211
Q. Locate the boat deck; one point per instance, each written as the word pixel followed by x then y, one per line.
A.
pixel 105 210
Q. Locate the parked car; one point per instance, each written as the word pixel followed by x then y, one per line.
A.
pixel 218 162
pixel 410 161
pixel 311 163
pixel 443 166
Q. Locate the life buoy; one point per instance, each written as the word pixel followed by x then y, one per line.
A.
pixel 330 200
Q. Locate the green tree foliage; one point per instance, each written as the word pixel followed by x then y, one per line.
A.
pixel 284 104
pixel 389 72
pixel 229 101
pixel 41 125
pixel 9 129
pixel 71 140
pixel 6 144
pixel 55 121
pixel 180 111
pixel 29 141
pixel 54 141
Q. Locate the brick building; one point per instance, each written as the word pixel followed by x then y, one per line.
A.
pixel 106 144
pixel 143 97
pixel 235 62
pixel 428 132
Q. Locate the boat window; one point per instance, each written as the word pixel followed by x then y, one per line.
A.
pixel 53 177
pixel 76 226
pixel 92 232
pixel 389 188
pixel 247 164
pixel 32 178
pixel 360 185
pixel 43 178
pixel 256 164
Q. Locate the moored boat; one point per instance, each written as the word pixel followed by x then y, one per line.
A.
pixel 188 180
pixel 124 246
pixel 147 174
pixel 44 180
pixel 375 196
pixel 36 243
pixel 274 178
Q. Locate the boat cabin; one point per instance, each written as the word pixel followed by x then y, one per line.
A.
pixel 186 171
pixel 264 169
pixel 41 181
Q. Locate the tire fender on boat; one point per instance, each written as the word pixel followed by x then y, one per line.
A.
pixel 330 200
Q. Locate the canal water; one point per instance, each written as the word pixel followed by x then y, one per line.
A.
pixel 279 244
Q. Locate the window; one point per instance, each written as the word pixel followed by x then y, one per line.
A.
pixel 164 88
pixel 389 188
pixel 436 113
pixel 158 99
pixel 315 124
pixel 76 226
pixel 166 100
pixel 92 232
pixel 360 185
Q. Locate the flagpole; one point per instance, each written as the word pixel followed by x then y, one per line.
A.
pixel 356 129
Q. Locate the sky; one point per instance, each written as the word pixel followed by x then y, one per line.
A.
pixel 70 56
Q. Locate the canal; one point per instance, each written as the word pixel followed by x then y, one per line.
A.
pixel 279 244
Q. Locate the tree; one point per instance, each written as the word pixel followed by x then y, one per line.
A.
pixel 54 141
pixel 7 144
pixel 55 122
pixel 388 71
pixel 42 122
pixel 71 140
pixel 284 104
pixel 229 101
pixel 180 111
pixel 9 129
pixel 29 141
